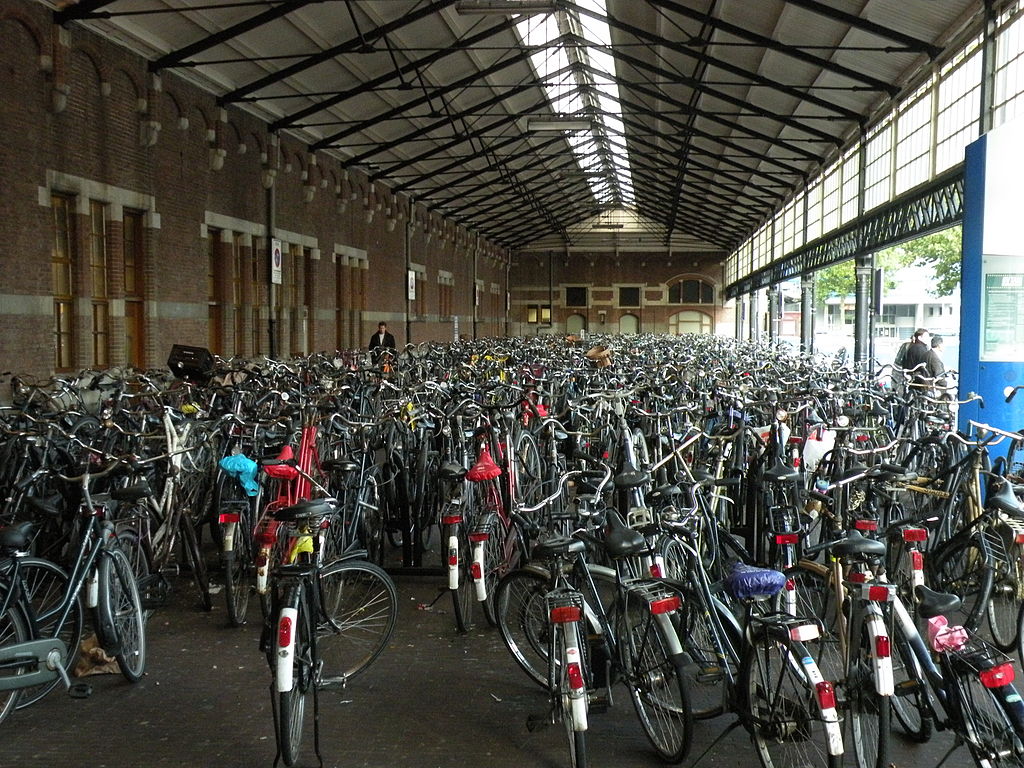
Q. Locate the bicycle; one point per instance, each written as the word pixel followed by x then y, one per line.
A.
pixel 327 623
pixel 41 618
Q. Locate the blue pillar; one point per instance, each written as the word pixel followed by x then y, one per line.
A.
pixel 992 278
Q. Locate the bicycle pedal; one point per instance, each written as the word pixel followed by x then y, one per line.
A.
pixel 537 722
pixel 599 703
pixel 80 691
pixel 154 591
pixel 708 675
pixel 906 688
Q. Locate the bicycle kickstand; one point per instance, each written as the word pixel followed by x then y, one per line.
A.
pixel 735 724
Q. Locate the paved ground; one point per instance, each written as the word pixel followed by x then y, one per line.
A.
pixel 435 699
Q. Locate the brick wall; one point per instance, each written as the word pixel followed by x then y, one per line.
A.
pixel 81 116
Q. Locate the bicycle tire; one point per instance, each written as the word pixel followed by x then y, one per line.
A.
pixel 816 598
pixel 911 709
pixel 559 688
pixel 990 728
pixel 782 713
pixel 523 621
pixel 240 560
pixel 656 681
pixel 356 618
pixel 46 585
pixel 121 610
pixel 291 704
pixel 495 567
pixel 705 678
pixel 13 630
pixel 870 713
pixel 529 470
pixel 190 543
pixel 464 595
pixel 964 569
pixel 1004 601
pixel 371 514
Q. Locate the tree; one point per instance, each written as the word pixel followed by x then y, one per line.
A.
pixel 840 279
pixel 942 252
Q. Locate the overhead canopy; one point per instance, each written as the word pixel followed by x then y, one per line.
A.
pixel 698 118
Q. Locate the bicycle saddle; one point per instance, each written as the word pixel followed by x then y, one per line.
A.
pixel 747 582
pixel 631 477
pixel 451 471
pixel 781 473
pixel 16 537
pixel 621 540
pixel 856 545
pixel 1005 500
pixel 931 603
pixel 305 510
pixel 339 465
pixel 560 545
pixel 132 493
pixel 46 505
pixel 664 491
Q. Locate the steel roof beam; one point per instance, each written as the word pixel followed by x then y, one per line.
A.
pixel 349 46
pixel 910 43
pixel 82 10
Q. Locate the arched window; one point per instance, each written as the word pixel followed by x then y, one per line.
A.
pixel 575 323
pixel 691 291
pixel 690 321
pixel 629 324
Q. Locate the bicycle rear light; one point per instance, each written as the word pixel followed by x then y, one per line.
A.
pixel 858 577
pixel 787 538
pixel 1019 538
pixel 565 614
pixel 228 517
pixel 790 585
pixel 866 525
pixel 826 694
pixel 480 536
pixel 917 561
pixel 666 605
pixel 995 677
pixel 575 675
pixel 882 647
pixel 284 632
pixel 915 534
pixel 451 519
pixel 879 593
pixel 804 632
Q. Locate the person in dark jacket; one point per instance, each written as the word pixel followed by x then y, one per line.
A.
pixel 381 342
pixel 915 351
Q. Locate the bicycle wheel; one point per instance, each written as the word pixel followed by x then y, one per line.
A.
pixel 500 557
pixel 561 688
pixel 358 607
pixel 1004 603
pixel 656 680
pixel 240 559
pixel 46 585
pixel 370 507
pixel 869 712
pixel 190 543
pixel 910 704
pixel 529 470
pixel 13 629
pixel 990 731
pixel 120 609
pixel 816 599
pixel 705 653
pixel 784 716
pixel 523 620
pixel 464 595
pixel 965 570
pixel 291 703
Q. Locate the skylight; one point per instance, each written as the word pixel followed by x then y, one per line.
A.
pixel 579 80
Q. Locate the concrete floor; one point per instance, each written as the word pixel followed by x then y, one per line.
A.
pixel 435 699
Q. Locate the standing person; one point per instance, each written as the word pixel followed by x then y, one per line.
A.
pixel 381 341
pixel 935 368
pixel 914 352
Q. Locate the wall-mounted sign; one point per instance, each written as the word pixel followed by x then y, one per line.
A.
pixel 411 285
pixel 276 261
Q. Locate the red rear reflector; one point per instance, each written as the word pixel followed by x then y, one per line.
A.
pixel 995 677
pixel 916 561
pixel 666 605
pixel 656 571
pixel 879 594
pixel 866 525
pixel 475 570
pixel 483 536
pixel 787 538
pixel 451 519
pixel 858 578
pixel 862 438
pixel 1019 538
pixel 826 694
pixel 882 647
pixel 915 534
pixel 228 517
pixel 284 632
pixel 262 560
pixel 575 675
pixel 790 585
pixel 453 557
pixel 565 614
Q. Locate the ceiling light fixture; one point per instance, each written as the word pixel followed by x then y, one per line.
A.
pixel 506 7
pixel 548 125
